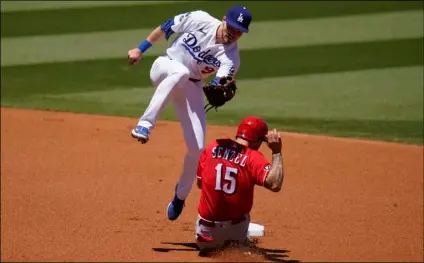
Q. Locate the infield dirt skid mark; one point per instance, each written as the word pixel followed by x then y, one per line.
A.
pixel 72 186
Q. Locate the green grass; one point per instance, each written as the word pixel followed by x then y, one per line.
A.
pixel 364 104
pixel 106 18
pixel 355 76
pixel 387 130
pixel 55 78
pixel 396 130
pixel 285 33
pixel 28 5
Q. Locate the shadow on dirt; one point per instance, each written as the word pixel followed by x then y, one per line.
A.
pixel 232 252
pixel 189 247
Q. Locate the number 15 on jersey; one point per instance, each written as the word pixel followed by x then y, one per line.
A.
pixel 229 182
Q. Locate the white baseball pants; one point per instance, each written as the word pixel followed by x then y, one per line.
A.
pixel 215 236
pixel 172 83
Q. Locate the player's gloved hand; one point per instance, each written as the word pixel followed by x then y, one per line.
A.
pixel 134 56
pixel 273 140
pixel 218 94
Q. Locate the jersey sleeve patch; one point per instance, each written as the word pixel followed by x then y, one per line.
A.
pixel 181 23
pixel 265 173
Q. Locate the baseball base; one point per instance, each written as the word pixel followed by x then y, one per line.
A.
pixel 255 230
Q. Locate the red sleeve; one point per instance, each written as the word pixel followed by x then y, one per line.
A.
pixel 260 168
pixel 201 164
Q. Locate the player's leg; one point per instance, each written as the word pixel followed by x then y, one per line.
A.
pixel 189 105
pixel 239 231
pixel 165 75
pixel 208 238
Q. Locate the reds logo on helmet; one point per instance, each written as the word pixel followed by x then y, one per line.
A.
pixel 252 128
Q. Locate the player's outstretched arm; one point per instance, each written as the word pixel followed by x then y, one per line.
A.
pixel 134 55
pixel 179 23
pixel 156 35
pixel 275 177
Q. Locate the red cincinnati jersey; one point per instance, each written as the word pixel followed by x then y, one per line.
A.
pixel 228 172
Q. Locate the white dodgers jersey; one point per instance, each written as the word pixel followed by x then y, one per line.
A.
pixel 195 46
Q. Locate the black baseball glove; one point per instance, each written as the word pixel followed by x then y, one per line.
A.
pixel 219 93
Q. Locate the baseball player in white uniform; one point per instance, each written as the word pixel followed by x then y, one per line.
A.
pixel 203 46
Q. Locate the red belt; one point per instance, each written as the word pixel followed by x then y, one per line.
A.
pixel 212 223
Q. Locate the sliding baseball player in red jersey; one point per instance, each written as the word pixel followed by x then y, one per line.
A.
pixel 227 172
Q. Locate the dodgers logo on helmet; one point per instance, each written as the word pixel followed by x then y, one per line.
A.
pixel 240 18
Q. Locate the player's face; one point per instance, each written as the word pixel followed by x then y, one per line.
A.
pixel 230 34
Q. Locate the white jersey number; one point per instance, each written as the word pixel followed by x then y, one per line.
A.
pixel 229 186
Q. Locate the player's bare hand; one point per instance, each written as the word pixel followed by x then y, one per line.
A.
pixel 273 140
pixel 134 56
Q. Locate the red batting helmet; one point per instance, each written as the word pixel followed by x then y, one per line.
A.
pixel 252 128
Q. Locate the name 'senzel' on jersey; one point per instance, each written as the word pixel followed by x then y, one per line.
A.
pixel 229 155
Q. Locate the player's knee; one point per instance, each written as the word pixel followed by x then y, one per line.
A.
pixel 183 74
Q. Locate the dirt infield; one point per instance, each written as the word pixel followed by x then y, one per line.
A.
pixel 77 187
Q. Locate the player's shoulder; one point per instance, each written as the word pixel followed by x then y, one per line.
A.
pixel 202 16
pixel 231 54
pixel 256 155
